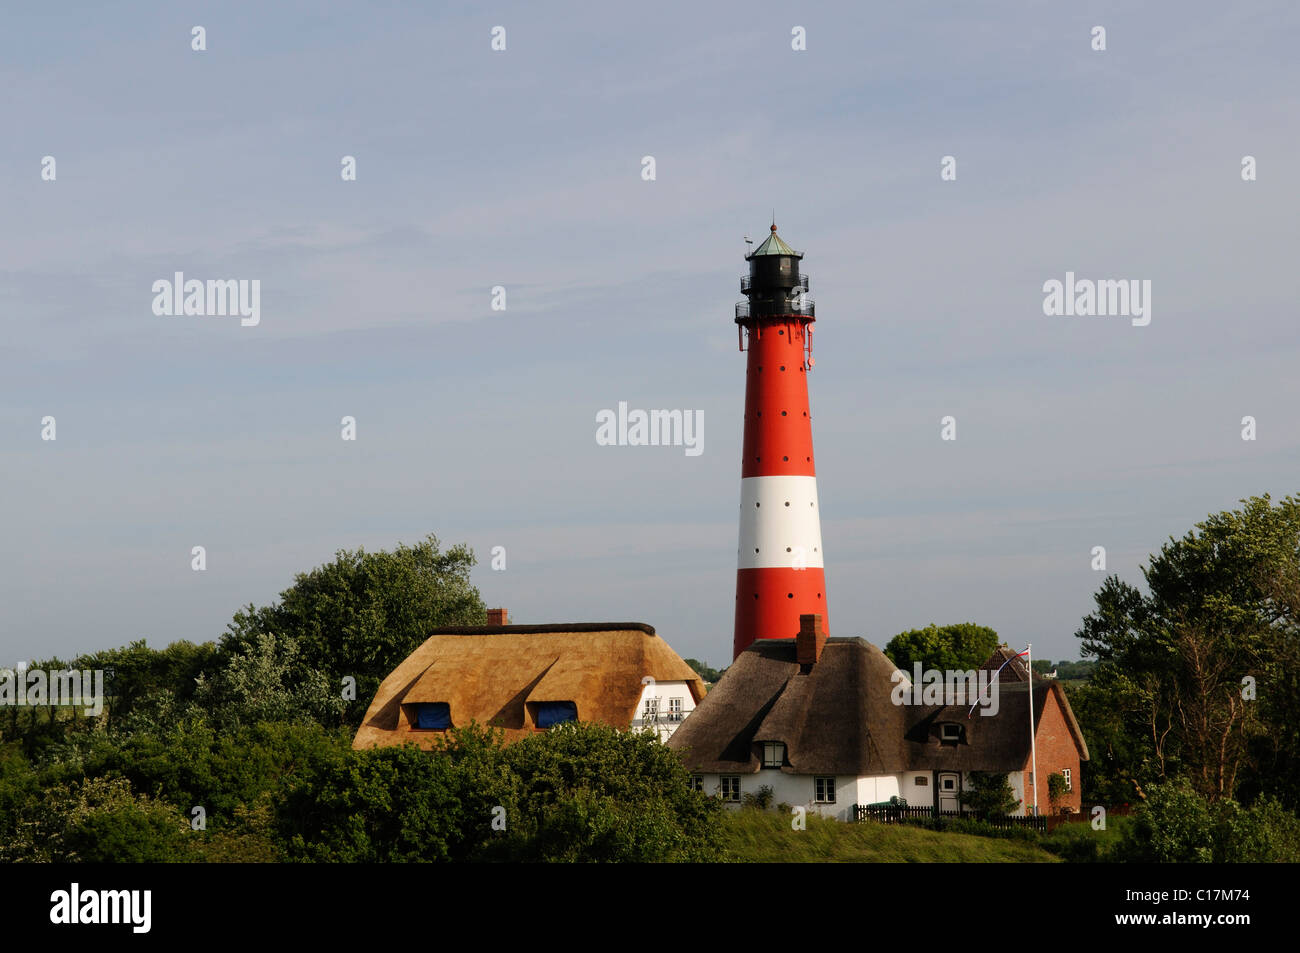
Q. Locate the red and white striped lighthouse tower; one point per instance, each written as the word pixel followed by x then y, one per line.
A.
pixel 779 574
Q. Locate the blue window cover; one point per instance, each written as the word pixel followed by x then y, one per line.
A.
pixel 555 713
pixel 433 716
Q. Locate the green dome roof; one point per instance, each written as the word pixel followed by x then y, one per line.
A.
pixel 773 245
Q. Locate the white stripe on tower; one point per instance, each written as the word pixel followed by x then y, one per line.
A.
pixel 779 523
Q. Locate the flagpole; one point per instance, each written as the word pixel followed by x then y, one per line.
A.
pixel 1033 749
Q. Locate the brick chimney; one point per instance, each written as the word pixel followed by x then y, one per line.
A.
pixel 810 641
pixel 498 617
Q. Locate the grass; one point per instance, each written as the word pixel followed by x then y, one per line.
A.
pixel 1079 843
pixel 752 836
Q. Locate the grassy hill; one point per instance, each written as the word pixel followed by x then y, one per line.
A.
pixel 760 837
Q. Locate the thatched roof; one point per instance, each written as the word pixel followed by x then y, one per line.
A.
pixel 492 674
pixel 990 742
pixel 838 718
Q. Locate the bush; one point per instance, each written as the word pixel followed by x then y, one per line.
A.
pixel 189 763
pixel 375 806
pixel 759 800
pixel 1172 826
pixel 1177 825
pixel 589 768
pixel 989 794
pixel 268 682
pixel 134 673
pixel 1264 833
pixel 99 820
pixel 585 826
pixel 579 792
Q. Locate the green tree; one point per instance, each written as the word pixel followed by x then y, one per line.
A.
pixel 363 613
pixel 99 820
pixel 19 787
pixel 1177 825
pixel 381 805
pixel 1222 612
pixel 959 647
pixel 579 792
pixel 1116 772
pixel 635 786
pixel 1075 671
pixel 989 794
pixel 1173 825
pixel 704 670
pixel 134 675
pixel 268 683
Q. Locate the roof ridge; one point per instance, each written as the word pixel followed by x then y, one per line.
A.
pixel 548 627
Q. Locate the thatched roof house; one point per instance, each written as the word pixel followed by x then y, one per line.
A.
pixel 818 720
pixel 830 718
pixel 525 678
pixel 1000 743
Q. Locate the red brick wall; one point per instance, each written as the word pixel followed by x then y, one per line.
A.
pixel 1056 750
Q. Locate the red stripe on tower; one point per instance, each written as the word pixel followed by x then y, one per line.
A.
pixel 779 574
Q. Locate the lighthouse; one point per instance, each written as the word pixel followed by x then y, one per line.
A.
pixel 779 574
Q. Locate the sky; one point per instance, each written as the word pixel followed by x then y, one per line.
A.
pixel 522 169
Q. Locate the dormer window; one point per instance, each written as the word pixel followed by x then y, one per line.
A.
pixel 951 733
pixel 773 754
pixel 432 716
pixel 549 714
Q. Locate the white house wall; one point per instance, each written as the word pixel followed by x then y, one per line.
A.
pixel 918 795
pixel 875 790
pixel 798 790
pixel 663 691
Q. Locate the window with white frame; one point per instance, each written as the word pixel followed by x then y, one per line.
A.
pixel 697 782
pixel 674 709
pixel 948 731
pixel 773 754
pixel 729 787
pixel 1069 784
pixel 824 790
pixel 651 713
